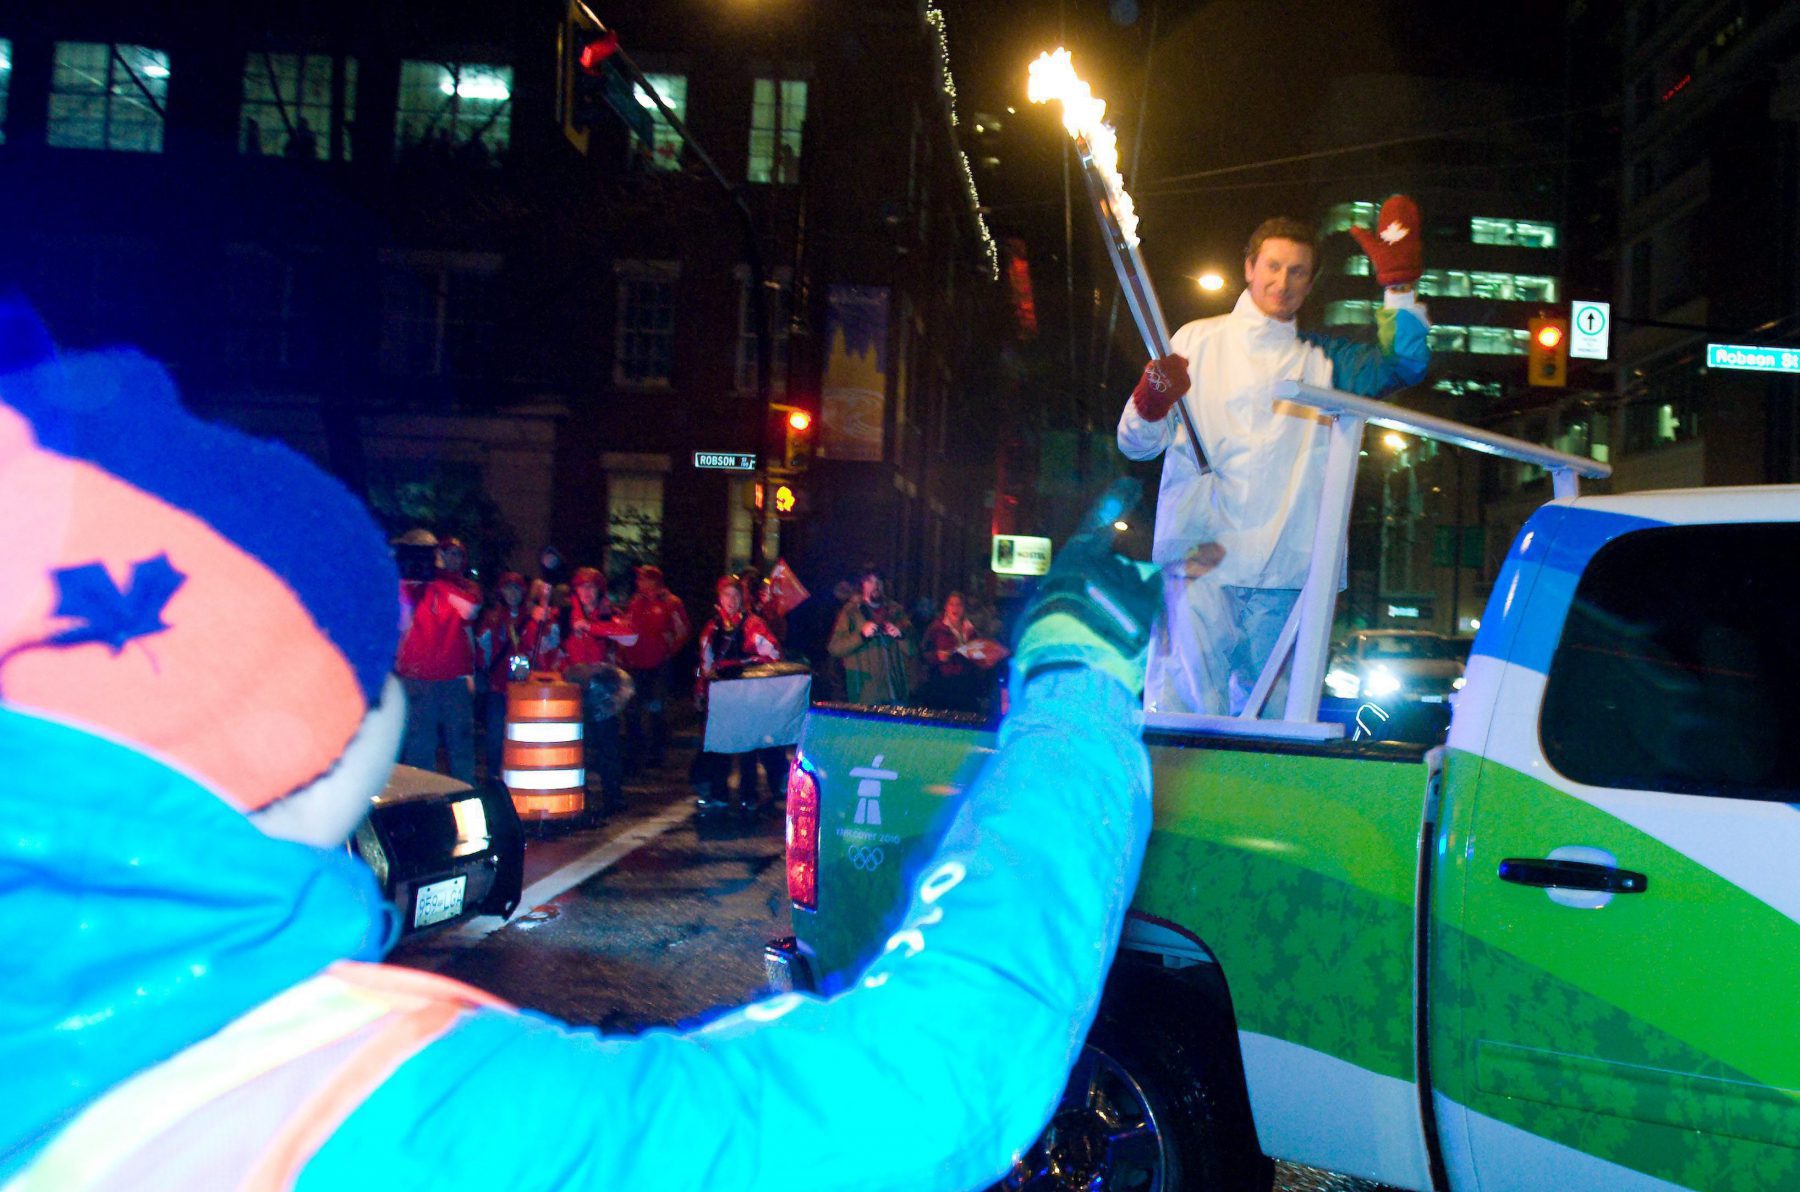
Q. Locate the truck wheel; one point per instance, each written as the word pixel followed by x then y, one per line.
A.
pixel 1140 1116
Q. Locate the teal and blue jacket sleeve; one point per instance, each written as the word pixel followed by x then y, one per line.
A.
pixel 1398 358
pixel 940 1064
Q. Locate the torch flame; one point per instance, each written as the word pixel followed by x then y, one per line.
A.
pixel 1053 77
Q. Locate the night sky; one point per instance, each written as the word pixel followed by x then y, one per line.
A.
pixel 1232 83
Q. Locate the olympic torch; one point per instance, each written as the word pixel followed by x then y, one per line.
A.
pixel 1053 77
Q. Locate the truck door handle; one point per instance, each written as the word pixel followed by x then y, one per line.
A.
pixel 1571 875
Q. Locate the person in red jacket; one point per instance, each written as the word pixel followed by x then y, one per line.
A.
pixel 954 681
pixel 509 637
pixel 594 631
pixel 436 661
pixel 731 640
pixel 663 628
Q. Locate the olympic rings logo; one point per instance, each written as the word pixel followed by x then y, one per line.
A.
pixel 865 858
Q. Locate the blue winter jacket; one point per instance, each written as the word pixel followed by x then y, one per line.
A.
pixel 146 914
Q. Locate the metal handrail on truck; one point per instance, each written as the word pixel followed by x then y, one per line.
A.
pixel 1307 634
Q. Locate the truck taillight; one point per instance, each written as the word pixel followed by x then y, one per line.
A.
pixel 803 835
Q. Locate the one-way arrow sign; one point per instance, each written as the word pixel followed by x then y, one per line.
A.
pixel 1590 327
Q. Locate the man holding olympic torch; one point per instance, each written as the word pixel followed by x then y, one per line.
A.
pixel 1258 498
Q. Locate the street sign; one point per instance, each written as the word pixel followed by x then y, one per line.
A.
pixel 1753 359
pixel 1590 326
pixel 730 461
pixel 1019 554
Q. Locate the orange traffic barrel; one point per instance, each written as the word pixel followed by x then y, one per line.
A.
pixel 541 764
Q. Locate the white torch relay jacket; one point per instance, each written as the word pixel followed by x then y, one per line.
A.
pixel 1260 500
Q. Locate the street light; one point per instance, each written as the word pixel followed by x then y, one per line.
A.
pixel 1211 282
pixel 1394 441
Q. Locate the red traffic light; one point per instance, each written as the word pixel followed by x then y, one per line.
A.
pixel 799 419
pixel 597 51
pixel 1549 335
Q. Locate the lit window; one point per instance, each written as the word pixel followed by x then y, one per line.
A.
pixel 1463 387
pixel 777 110
pixel 1444 283
pixel 644 338
pixel 1344 216
pixel 777 302
pixel 1490 285
pixel 106 96
pixel 1508 287
pixel 1481 340
pixel 1356 265
pixel 665 142
pixel 455 109
pixel 1498 341
pixel 1527 287
pixel 438 315
pixel 1447 337
pixel 1522 233
pixel 288 108
pixel 1349 312
pixel 634 516
pixel 5 83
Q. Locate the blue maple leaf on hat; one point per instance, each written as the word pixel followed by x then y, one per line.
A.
pixel 111 615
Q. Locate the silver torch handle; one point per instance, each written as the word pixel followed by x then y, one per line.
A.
pixel 1134 282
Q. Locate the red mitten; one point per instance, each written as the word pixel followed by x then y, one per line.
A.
pixel 1161 386
pixel 1393 247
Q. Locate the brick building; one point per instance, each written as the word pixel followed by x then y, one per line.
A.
pixel 363 230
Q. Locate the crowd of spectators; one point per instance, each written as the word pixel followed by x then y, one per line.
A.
pixel 630 656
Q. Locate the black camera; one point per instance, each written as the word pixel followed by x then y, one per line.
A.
pixel 416 562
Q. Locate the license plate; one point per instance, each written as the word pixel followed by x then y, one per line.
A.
pixel 439 901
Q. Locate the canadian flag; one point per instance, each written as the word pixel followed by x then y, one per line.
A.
pixel 785 589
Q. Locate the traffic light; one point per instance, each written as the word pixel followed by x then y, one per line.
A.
pixel 584 50
pixel 797 431
pixel 1547 353
pixel 787 499
pixel 591 83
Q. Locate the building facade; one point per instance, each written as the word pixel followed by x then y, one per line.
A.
pixel 365 231
pixel 1431 524
pixel 1708 228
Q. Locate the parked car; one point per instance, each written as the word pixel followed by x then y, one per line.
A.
pixel 442 851
pixel 1393 684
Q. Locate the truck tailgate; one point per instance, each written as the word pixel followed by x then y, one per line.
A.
pixel 887 791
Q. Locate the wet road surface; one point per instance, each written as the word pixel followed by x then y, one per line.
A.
pixel 656 917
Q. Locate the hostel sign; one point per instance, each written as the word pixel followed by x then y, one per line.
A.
pixel 1753 359
pixel 1019 554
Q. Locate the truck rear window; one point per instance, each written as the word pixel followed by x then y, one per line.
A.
pixel 1679 666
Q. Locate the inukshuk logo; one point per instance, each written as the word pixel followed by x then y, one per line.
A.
pixel 868 790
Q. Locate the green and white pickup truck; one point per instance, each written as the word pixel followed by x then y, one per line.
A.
pixel 1559 952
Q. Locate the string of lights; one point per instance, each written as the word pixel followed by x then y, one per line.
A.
pixel 934 17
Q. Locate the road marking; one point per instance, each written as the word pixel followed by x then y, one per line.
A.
pixel 560 881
